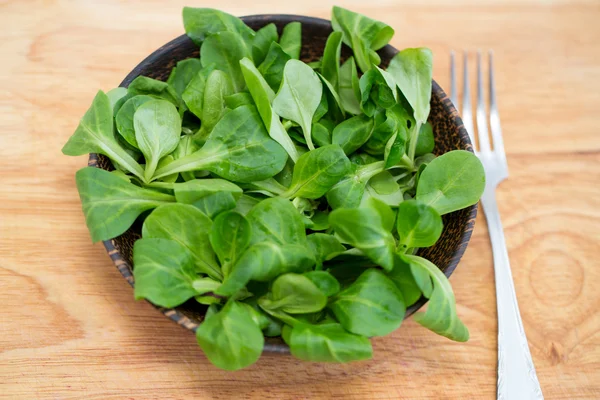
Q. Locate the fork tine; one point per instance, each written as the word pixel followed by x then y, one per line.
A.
pixel 467 115
pixel 482 129
pixel 494 117
pixel 453 90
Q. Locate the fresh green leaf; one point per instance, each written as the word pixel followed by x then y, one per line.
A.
pixel 291 39
pixel 320 134
pixel 452 181
pixel 110 204
pixel 349 87
pixel 324 281
pixel 423 281
pixel 320 221
pixel 317 171
pixel 335 110
pixel 371 306
pixel 217 87
pixel 124 118
pixel 391 199
pixel 230 236
pixel 193 95
pixel 236 100
pixel 190 192
pixel 299 96
pixel 396 119
pixel 384 183
pixel 156 88
pixel 225 50
pixel 441 315
pixel 185 147
pixel 238 149
pixel 277 220
pixel 385 127
pixel 353 133
pixel 206 285
pixel 157 130
pixel 402 276
pixel 412 70
pixel 258 316
pixel 245 204
pixel 183 73
pixel 330 65
pixel 263 96
pixel 294 294
pixel 231 339
pixel 387 215
pixel 348 192
pixel 190 228
pixel 364 35
pixel 419 225
pixel 95 134
pixel 425 140
pixel 163 272
pixel 322 108
pixel 328 343
pixel 273 65
pixel 262 42
pixel 116 96
pixel 199 23
pixel 375 92
pixel 395 148
pixel 363 228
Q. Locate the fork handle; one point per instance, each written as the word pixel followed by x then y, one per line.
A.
pixel 516 373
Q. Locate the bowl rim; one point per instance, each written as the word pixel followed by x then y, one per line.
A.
pixel 278 346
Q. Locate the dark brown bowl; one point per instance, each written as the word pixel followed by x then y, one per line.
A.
pixel 447 128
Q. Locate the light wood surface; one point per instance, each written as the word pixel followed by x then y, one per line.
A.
pixel 70 328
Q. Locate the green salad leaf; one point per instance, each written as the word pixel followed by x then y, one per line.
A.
pixel 190 228
pixel 95 134
pixel 440 316
pixel 235 150
pixel 364 35
pixel 231 339
pixel 371 306
pixel 164 272
pixel 112 204
pixel 299 96
pixel 291 39
pixel 328 342
pixel 452 181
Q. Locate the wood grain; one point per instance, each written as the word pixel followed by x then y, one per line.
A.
pixel 70 328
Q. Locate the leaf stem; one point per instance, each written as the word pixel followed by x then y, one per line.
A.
pixel 119 155
pixel 287 124
pixel 150 169
pixel 370 170
pixel 412 144
pixel 291 321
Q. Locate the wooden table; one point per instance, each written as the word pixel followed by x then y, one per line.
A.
pixel 70 327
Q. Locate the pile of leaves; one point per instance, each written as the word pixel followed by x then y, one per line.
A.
pixel 291 198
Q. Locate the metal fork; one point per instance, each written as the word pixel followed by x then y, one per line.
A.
pixel 516 373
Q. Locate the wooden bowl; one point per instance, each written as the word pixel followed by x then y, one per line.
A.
pixel 447 127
